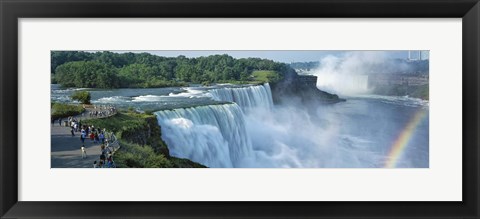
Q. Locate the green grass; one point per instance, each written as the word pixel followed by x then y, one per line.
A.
pixel 61 110
pixel 138 128
pixel 266 76
pixel 120 122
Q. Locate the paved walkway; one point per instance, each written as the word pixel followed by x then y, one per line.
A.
pixel 65 149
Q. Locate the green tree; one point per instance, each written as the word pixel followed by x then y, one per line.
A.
pixel 90 74
pixel 113 70
pixel 81 96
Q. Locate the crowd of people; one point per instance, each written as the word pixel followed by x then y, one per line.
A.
pixel 102 111
pixel 106 159
pixel 94 135
pixel 74 124
pixel 99 136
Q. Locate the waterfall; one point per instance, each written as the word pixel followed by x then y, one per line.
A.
pixel 213 135
pixel 246 97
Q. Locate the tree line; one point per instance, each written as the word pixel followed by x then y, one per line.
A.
pixel 122 70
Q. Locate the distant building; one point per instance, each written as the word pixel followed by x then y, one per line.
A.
pixel 418 55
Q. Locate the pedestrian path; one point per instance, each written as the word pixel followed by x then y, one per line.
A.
pixel 66 149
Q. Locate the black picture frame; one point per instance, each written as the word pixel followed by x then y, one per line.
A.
pixel 12 10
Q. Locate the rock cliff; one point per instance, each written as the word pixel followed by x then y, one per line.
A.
pixel 294 87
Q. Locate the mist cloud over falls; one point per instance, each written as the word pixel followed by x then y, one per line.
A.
pixel 292 137
pixel 348 74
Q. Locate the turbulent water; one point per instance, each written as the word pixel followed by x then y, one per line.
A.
pixel 238 126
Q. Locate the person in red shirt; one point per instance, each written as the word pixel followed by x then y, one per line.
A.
pixel 92 136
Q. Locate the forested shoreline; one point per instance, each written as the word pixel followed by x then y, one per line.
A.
pixel 145 70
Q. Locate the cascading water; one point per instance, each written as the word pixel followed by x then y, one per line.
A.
pixel 213 135
pixel 246 97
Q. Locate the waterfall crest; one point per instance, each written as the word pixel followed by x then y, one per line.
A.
pixel 246 97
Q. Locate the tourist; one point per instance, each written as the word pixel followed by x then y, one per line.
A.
pixel 97 140
pixel 83 136
pixel 82 139
pixel 102 158
pixel 102 138
pixel 97 137
pixel 92 137
pixel 102 149
pixel 112 164
pixel 84 152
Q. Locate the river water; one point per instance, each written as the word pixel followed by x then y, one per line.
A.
pixel 239 126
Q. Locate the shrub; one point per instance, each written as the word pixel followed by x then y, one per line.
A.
pixel 61 110
pixel 138 156
pixel 81 96
pixel 266 76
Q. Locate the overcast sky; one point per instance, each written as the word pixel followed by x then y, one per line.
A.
pixel 286 56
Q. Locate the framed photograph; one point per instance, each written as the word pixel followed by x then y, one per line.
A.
pixel 239 109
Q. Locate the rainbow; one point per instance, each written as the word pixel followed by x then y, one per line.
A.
pixel 402 140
